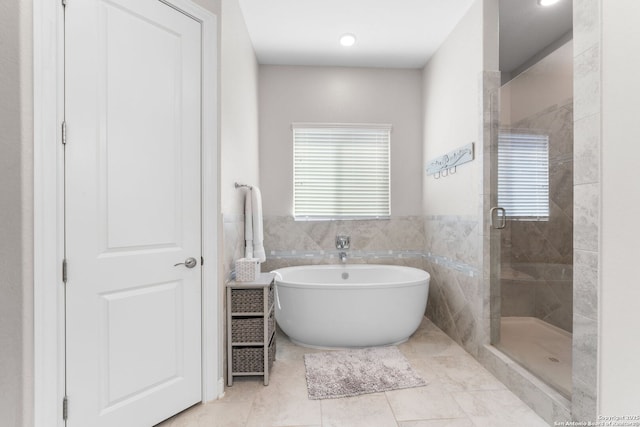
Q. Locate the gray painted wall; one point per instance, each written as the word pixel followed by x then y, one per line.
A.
pixel 339 95
pixel 453 117
pixel 238 129
pixel 620 336
pixel 16 195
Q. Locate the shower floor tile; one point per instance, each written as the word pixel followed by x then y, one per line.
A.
pixel 539 347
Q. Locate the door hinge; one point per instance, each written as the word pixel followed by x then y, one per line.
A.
pixel 64 132
pixel 65 408
pixel 201 260
pixel 64 271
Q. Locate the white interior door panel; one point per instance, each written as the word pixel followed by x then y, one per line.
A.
pixel 132 206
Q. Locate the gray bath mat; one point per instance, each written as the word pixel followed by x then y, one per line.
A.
pixel 346 373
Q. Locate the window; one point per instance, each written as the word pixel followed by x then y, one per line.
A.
pixel 523 174
pixel 341 171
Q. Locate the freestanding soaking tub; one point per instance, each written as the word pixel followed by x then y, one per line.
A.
pixel 329 306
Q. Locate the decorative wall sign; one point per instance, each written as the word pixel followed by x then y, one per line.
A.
pixel 444 165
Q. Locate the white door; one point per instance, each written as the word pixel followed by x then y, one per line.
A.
pixel 133 114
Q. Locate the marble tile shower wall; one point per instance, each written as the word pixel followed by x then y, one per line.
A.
pixel 399 241
pixel 587 34
pixel 537 256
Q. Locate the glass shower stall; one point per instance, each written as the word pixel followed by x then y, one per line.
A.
pixel 532 221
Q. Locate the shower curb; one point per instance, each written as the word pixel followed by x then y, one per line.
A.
pixel 541 398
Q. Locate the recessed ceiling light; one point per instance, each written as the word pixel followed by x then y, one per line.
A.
pixel 547 2
pixel 347 40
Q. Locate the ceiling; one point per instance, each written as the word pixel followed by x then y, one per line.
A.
pixel 390 33
pixel 527 29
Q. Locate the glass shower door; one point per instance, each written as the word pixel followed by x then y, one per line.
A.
pixel 532 221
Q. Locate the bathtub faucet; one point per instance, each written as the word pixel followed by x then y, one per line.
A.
pixel 342 241
pixel 343 257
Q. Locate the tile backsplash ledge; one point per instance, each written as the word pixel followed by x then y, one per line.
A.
pixel 359 257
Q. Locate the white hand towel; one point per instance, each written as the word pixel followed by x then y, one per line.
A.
pixel 248 225
pixel 258 237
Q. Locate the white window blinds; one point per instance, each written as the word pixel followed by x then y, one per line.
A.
pixel 341 171
pixel 523 174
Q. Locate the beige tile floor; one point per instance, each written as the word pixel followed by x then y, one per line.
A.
pixel 460 393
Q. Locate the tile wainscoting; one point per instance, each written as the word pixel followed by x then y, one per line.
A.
pixel 456 301
pixel 398 241
pixel 445 246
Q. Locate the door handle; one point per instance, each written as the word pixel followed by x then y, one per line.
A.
pixel 189 263
pixel 503 223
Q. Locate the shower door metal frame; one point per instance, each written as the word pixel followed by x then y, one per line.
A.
pixel 492 230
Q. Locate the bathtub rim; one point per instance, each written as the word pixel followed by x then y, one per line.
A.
pixel 280 281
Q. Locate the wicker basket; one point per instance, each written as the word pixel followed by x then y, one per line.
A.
pixel 249 300
pixel 251 359
pixel 250 329
pixel 247 269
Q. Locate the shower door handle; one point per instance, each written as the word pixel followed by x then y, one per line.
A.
pixel 500 213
